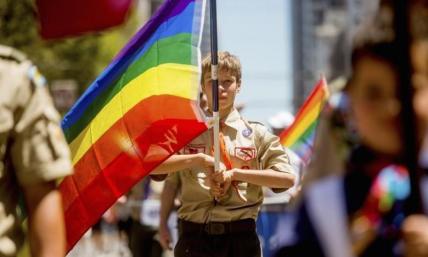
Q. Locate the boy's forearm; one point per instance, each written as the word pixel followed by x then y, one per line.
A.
pixel 269 178
pixel 178 162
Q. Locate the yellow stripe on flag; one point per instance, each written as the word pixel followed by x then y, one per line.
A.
pixel 303 125
pixel 166 79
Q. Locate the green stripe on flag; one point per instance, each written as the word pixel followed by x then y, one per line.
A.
pixel 171 50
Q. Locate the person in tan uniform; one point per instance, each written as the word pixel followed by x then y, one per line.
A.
pixel 33 155
pixel 218 211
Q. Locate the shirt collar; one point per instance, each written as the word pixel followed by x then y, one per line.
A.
pixel 231 119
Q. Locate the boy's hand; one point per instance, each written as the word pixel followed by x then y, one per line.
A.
pixel 216 190
pixel 221 182
pixel 206 162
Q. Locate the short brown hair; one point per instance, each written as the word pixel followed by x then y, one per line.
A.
pixel 226 61
pixel 376 38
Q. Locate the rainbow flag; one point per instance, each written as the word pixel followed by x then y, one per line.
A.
pixel 299 137
pixel 139 111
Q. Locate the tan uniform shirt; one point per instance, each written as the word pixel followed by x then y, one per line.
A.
pixel 32 146
pixel 250 146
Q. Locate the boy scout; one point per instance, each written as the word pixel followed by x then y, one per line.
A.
pixel 33 154
pixel 224 225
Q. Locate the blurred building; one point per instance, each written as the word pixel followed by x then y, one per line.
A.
pixel 322 32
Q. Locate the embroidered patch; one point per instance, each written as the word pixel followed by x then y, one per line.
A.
pixel 245 153
pixel 247 132
pixel 194 149
pixel 37 78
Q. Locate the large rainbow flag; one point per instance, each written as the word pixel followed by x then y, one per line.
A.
pixel 299 137
pixel 138 112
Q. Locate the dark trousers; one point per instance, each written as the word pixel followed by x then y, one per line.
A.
pixel 141 239
pixel 221 240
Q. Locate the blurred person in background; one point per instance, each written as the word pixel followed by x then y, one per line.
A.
pixel 141 234
pixel 33 155
pixel 280 121
pixel 355 197
pixel 169 202
pixel 129 227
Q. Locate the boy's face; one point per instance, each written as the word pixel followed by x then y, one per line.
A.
pixel 228 87
pixel 375 105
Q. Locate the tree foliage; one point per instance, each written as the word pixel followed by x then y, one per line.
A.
pixel 80 58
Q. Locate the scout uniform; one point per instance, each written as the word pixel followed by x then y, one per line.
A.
pixel 250 146
pixel 32 146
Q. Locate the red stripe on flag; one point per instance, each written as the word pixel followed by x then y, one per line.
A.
pixel 118 170
pixel 317 96
pixel 117 138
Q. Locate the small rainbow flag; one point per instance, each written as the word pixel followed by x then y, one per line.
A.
pixel 139 111
pixel 299 137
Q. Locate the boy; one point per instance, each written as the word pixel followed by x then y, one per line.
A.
pixel 220 221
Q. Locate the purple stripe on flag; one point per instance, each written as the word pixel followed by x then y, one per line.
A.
pixel 169 9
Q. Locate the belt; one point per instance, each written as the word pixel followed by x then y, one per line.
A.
pixel 216 228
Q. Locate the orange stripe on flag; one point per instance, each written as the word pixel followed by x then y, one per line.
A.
pixel 305 119
pixel 119 137
pixel 113 164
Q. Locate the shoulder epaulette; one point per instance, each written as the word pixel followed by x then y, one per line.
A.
pixel 12 54
pixel 36 77
pixel 256 122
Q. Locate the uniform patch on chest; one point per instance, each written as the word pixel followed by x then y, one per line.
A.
pixel 247 132
pixel 194 149
pixel 245 153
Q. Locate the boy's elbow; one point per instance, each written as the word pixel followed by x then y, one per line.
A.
pixel 286 182
pixel 289 180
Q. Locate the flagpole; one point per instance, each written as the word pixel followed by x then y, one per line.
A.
pixel 407 115
pixel 214 79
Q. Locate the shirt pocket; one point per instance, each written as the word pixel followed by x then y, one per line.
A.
pixel 244 157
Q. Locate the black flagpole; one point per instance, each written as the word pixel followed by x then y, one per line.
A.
pixel 214 79
pixel 405 91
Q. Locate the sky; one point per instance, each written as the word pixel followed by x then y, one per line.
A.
pixel 259 33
